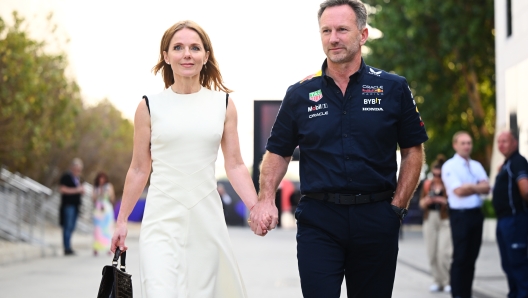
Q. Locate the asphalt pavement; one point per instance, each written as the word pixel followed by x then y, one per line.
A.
pixel 268 265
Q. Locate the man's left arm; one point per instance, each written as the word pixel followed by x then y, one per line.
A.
pixel 412 159
pixel 520 172
pixel 523 188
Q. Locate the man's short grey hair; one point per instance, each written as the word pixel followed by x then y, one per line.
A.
pixel 77 162
pixel 356 5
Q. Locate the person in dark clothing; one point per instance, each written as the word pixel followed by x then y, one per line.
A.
pixel 71 190
pixel 347 120
pixel 510 201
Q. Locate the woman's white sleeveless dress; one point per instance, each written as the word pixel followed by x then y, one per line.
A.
pixel 185 250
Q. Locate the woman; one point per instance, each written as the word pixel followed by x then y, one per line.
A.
pixel 185 249
pixel 436 231
pixel 103 214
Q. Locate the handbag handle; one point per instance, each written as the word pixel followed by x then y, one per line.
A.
pixel 119 254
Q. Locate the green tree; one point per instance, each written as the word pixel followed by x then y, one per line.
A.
pixel 43 122
pixel 105 143
pixel 446 51
pixel 38 103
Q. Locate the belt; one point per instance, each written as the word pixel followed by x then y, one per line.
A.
pixel 349 199
pixel 465 210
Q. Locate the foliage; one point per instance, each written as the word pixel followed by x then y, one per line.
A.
pixel 487 209
pixel 445 49
pixel 43 123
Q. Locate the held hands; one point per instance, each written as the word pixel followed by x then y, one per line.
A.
pixel 118 240
pixel 263 217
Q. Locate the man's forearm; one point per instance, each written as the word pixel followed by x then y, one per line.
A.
pixel 472 189
pixel 66 190
pixel 410 168
pixel 272 170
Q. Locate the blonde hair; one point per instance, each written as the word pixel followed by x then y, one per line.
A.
pixel 210 76
pixel 459 133
pixel 77 162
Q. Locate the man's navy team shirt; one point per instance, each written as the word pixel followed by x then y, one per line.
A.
pixel 507 199
pixel 347 143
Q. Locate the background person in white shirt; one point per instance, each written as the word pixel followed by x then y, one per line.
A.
pixel 465 180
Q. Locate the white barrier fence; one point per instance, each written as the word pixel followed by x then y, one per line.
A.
pixel 28 207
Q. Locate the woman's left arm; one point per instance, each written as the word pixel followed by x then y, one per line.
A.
pixel 236 170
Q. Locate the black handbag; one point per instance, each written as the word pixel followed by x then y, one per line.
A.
pixel 116 282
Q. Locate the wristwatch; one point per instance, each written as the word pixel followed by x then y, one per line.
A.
pixel 402 212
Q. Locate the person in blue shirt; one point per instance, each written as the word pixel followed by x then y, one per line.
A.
pixel 510 201
pixel 348 120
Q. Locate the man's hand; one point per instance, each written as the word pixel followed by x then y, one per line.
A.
pixel 263 217
pixel 483 187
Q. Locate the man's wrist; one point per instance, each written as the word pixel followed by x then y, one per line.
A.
pixel 399 203
pixel 401 212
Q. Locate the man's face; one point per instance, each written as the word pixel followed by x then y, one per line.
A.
pixel 341 38
pixel 76 170
pixel 507 144
pixel 463 145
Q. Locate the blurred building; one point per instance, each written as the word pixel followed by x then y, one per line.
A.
pixel 511 73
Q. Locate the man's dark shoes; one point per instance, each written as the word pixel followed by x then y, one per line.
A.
pixel 69 252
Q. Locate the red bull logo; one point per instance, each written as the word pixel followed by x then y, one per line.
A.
pixel 367 89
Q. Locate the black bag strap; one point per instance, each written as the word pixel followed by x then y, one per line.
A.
pixel 146 101
pixel 227 99
pixel 118 254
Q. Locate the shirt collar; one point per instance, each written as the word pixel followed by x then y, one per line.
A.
pixel 515 153
pixel 461 159
pixel 356 75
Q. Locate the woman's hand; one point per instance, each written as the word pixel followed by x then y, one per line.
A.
pixel 426 201
pixel 120 234
pixel 440 200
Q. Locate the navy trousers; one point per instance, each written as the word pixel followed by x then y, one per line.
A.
pixel 512 238
pixel 357 242
pixel 466 231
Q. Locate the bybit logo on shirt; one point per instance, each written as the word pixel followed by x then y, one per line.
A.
pixel 318 107
pixel 372 101
pixel 374 90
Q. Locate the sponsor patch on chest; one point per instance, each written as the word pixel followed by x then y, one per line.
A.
pixel 372 105
pixel 315 96
pixel 371 90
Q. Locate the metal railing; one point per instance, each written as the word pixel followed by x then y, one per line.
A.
pixel 28 207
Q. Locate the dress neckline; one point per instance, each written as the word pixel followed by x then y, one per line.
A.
pixel 184 94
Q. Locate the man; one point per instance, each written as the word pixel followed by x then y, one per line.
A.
pixel 510 200
pixel 71 191
pixel 347 120
pixel 465 180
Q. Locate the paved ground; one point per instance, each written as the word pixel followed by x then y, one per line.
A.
pixel 268 265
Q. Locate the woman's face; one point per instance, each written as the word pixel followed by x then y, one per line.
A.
pixel 102 180
pixel 186 54
pixel 437 173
